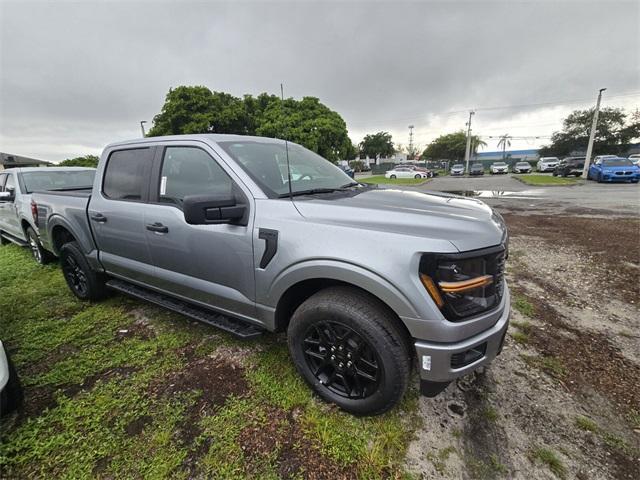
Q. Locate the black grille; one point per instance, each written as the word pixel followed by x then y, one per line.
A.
pixel 462 359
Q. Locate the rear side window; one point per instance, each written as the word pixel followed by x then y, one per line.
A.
pixel 191 171
pixel 127 174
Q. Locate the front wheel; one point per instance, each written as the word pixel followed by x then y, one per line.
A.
pixel 84 282
pixel 392 176
pixel 347 347
pixel 40 255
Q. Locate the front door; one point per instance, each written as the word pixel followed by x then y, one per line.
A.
pixel 212 264
pixel 9 221
pixel 116 214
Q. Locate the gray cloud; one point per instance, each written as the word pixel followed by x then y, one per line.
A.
pixel 74 76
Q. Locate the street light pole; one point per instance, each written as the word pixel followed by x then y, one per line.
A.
pixel 142 122
pixel 468 147
pixel 592 135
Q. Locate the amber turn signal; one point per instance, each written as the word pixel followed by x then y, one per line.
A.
pixel 465 285
pixel 432 289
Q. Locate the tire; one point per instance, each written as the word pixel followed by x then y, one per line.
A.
pixel 344 319
pixel 40 255
pixel 3 241
pixel 417 176
pixel 12 395
pixel 85 283
pixel 392 176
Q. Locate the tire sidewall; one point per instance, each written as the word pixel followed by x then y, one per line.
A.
pixel 95 285
pixel 304 318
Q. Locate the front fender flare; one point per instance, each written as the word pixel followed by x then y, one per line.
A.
pixel 345 272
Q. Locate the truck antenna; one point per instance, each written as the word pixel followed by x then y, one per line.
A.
pixel 286 143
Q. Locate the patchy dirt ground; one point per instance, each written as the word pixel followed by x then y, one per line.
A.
pixel 563 399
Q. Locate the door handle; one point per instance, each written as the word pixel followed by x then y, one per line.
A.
pixel 98 217
pixel 158 228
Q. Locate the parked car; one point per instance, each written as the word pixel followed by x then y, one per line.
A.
pixel 522 167
pixel 635 159
pixel 547 164
pixel 16 187
pixel 11 395
pixel 404 172
pixel 614 169
pixel 569 166
pixel 457 169
pixel 499 167
pixel 418 169
pixel 476 169
pixel 205 226
pixel 348 170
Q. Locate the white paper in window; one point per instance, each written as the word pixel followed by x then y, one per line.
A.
pixel 163 186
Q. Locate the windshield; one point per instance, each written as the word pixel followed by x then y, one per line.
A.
pixel 499 164
pixel 522 164
pixel 57 180
pixel 476 165
pixel 616 162
pixel 458 165
pixel 549 159
pixel 266 164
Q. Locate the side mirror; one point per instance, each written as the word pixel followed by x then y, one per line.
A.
pixel 213 209
pixel 7 196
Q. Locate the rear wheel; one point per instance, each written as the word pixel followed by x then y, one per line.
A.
pixel 40 255
pixel 84 282
pixel 346 346
pixel 392 176
pixel 417 176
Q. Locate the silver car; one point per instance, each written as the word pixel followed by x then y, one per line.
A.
pixel 16 215
pixel 363 280
pixel 547 164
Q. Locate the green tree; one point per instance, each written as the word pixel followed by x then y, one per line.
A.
pixel 377 145
pixel 85 161
pixel 615 131
pixel 197 109
pixel 451 146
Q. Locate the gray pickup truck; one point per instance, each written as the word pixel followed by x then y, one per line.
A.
pixel 16 215
pixel 253 234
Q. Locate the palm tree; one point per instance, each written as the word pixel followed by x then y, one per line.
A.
pixel 505 141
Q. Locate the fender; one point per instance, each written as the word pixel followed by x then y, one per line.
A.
pixel 344 272
pixel 82 236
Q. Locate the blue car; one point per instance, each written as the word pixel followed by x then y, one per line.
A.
pixel 614 169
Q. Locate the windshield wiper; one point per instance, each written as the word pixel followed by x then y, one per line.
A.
pixel 350 184
pixel 311 191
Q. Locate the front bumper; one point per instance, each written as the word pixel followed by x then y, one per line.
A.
pixel 548 168
pixel 614 177
pixel 440 363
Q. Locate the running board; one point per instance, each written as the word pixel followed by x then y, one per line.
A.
pixel 13 239
pixel 238 328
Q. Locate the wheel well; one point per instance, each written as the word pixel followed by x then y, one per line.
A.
pixel 24 225
pixel 60 236
pixel 298 293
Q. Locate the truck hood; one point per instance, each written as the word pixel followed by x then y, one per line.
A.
pixel 467 223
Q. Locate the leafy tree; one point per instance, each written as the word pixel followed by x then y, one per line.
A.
pixel 197 109
pixel 85 161
pixel 614 132
pixel 377 145
pixel 451 146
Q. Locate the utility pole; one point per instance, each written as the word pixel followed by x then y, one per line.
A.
pixel 592 135
pixel 410 152
pixel 142 122
pixel 467 150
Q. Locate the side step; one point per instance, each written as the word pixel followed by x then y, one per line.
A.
pixel 238 328
pixel 13 239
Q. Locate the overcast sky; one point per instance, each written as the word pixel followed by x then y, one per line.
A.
pixel 75 76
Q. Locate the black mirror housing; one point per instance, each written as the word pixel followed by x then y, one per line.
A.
pixel 213 209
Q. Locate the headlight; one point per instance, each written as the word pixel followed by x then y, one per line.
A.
pixel 463 285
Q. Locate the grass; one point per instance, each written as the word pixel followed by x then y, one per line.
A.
pixel 439 459
pixel 520 337
pixel 586 424
pixel 549 458
pixel 542 180
pixel 86 385
pixel 490 413
pixel 548 363
pixel 380 179
pixel 490 468
pixel 523 305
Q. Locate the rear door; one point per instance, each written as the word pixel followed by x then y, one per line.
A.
pixel 116 213
pixel 211 264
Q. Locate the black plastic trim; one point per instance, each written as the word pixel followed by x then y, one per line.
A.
pixel 271 239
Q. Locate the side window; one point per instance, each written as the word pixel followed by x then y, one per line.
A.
pixel 191 171
pixel 126 174
pixel 9 184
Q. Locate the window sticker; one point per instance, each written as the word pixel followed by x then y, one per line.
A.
pixel 163 186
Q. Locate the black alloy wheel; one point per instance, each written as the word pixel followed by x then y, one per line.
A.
pixel 76 278
pixel 342 360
